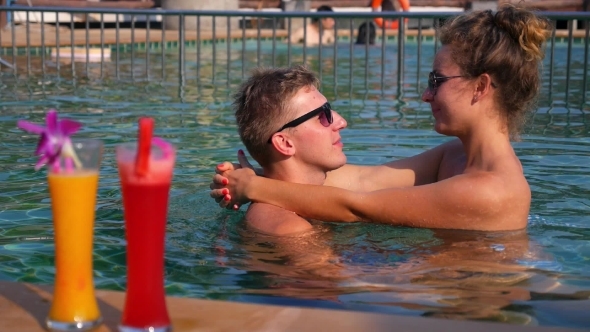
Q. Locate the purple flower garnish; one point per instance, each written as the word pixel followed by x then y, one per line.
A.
pixel 54 141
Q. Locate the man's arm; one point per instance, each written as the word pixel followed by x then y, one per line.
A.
pixel 273 220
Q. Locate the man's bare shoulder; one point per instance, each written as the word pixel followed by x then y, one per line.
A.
pixel 273 220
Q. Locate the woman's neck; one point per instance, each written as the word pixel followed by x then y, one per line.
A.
pixel 486 142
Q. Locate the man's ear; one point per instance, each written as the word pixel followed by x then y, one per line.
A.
pixel 283 144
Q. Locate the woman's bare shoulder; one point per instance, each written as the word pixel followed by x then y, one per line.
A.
pixel 506 192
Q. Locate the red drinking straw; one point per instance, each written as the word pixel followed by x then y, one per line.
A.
pixel 146 131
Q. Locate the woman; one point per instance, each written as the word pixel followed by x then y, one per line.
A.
pixel 484 80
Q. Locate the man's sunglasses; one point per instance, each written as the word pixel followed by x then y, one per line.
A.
pixel 324 111
pixel 435 81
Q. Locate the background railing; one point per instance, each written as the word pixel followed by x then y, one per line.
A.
pixel 214 47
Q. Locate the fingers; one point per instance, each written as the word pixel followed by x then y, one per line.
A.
pixel 218 193
pixel 243 160
pixel 218 190
pixel 225 166
pixel 225 202
pixel 223 199
pixel 219 181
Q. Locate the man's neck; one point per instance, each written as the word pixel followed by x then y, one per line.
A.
pixel 295 173
pixel 315 26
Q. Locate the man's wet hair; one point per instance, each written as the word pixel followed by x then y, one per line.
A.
pixel 322 8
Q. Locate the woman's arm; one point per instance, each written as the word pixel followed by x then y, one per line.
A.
pixel 475 201
pixel 413 171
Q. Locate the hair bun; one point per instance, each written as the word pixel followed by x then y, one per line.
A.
pixel 530 30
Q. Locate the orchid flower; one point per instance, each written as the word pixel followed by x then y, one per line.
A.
pixel 54 141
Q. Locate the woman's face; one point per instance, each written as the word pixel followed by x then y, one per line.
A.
pixel 449 95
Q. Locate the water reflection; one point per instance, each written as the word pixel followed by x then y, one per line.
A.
pixel 452 274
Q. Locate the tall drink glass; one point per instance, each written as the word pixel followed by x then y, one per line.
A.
pixel 73 200
pixel 145 205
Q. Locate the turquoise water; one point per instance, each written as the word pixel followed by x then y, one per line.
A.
pixel 540 276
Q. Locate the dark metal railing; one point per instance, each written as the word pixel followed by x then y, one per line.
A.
pixel 146 49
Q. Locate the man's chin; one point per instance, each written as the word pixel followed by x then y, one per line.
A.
pixel 341 163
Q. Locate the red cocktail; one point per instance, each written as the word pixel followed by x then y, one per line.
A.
pixel 145 204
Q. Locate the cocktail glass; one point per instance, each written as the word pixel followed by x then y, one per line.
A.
pixel 145 205
pixel 73 199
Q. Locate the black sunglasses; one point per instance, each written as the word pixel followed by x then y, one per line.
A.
pixel 324 111
pixel 435 81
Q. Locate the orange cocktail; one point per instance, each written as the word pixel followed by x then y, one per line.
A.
pixel 73 201
pixel 73 197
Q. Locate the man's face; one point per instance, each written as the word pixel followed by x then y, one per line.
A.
pixel 316 145
pixel 328 23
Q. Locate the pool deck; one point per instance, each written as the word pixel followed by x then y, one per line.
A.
pixel 23 308
pixel 64 34
pixel 109 37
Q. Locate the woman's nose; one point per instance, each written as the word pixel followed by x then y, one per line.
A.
pixel 428 95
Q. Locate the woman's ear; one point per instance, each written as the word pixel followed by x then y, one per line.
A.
pixel 482 87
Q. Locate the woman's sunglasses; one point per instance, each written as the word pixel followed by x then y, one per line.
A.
pixel 435 81
pixel 324 111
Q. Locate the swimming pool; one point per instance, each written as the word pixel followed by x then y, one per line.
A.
pixel 540 276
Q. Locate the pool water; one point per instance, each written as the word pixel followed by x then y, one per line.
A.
pixel 540 276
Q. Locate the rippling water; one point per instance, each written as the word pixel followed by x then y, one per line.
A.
pixel 538 276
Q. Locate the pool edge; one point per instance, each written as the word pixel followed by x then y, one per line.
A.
pixel 24 307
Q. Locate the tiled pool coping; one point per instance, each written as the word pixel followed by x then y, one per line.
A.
pixel 23 307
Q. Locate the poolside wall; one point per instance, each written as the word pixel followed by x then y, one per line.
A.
pixel 25 306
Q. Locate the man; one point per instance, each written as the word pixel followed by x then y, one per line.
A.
pixel 311 34
pixel 289 128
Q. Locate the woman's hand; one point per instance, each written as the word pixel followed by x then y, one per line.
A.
pixel 218 186
pixel 236 190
